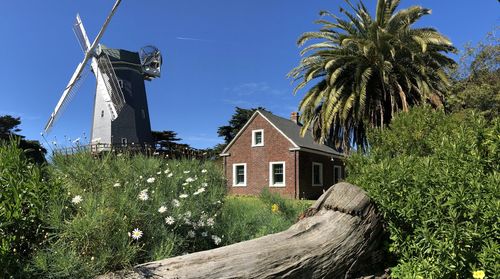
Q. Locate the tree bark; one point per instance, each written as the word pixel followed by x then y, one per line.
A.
pixel 338 237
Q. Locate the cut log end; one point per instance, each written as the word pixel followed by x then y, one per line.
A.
pixel 339 236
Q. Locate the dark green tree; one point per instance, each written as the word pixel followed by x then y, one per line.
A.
pixel 165 140
pixel 363 69
pixel 237 121
pixel 8 132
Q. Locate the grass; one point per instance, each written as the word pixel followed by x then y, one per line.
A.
pixel 84 226
pixel 245 217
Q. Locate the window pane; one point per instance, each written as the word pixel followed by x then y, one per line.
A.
pixel 258 138
pixel 316 174
pixel 278 173
pixel 240 174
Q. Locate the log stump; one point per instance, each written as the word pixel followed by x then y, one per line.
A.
pixel 339 236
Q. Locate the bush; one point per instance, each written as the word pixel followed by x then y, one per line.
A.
pixel 435 178
pixel 23 193
pixel 244 218
pixel 118 211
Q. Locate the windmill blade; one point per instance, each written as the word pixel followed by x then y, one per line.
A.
pixel 104 26
pixel 68 91
pixel 81 34
pixel 111 81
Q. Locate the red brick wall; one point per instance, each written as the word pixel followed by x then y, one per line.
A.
pixel 306 159
pixel 276 148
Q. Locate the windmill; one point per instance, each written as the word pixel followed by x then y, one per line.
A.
pixel 121 113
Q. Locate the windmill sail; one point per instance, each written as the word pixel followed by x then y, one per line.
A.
pixel 111 81
pixel 89 50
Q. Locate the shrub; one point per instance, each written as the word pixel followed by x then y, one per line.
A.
pixel 118 211
pixel 435 178
pixel 23 192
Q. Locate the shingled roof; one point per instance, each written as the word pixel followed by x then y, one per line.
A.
pixel 291 131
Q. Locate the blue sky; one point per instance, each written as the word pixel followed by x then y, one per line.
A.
pixel 217 55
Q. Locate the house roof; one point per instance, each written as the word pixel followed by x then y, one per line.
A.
pixel 291 131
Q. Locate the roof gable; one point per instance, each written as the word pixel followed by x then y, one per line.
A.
pixel 254 115
pixel 290 130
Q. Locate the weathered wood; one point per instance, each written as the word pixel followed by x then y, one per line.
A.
pixel 338 237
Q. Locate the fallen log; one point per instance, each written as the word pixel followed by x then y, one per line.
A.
pixel 338 237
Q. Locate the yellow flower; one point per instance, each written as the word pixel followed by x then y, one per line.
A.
pixel 478 274
pixel 275 208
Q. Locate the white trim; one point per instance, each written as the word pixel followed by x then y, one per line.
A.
pixel 335 155
pixel 320 174
pixel 261 137
pixel 248 123
pixel 245 175
pixel 271 184
pixel 224 154
pixel 335 167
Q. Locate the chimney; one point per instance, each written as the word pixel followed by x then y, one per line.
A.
pixel 294 116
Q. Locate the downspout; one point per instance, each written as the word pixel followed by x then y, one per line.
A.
pixel 296 174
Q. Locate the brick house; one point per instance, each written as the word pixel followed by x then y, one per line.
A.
pixel 269 152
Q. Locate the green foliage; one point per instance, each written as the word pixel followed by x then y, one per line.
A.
pixel 8 133
pixel 476 82
pixel 435 178
pixel 23 195
pixel 102 200
pixel 245 218
pixel 360 70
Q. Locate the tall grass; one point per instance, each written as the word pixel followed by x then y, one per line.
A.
pixel 171 205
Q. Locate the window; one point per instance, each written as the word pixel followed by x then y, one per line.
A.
pixel 258 137
pixel 120 83
pixel 102 113
pixel 143 114
pixel 124 141
pixel 239 175
pixel 277 174
pixel 337 172
pixel 317 174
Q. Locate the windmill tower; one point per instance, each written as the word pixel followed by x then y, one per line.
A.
pixel 121 115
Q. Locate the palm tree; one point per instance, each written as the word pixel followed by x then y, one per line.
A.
pixel 361 70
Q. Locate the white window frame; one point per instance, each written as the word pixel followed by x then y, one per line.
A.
pixel 244 184
pixel 271 174
pixel 262 137
pixel 335 167
pixel 320 174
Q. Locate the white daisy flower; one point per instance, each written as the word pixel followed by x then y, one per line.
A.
pixel 204 234
pixel 150 180
pixel 170 175
pixel 186 171
pixel 183 196
pixel 191 234
pixel 136 234
pixel 158 172
pixel 77 199
pixel 203 171
pixel 210 222
pixel 166 171
pixel 204 184
pixel 169 220
pixel 190 179
pixel 184 184
pixel 188 214
pixel 201 223
pixel 117 184
pixel 143 195
pixel 162 209
pixel 176 203
pixel 199 191
pixel 140 176
pixel 216 239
